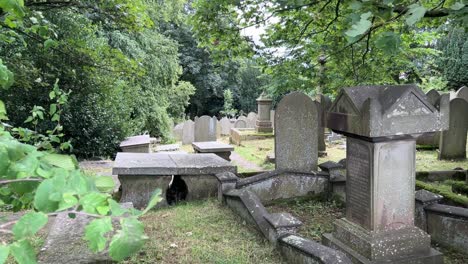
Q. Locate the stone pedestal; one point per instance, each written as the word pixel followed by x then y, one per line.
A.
pixel 263 123
pixel 379 223
pixel 381 123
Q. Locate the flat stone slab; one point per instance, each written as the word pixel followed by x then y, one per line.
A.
pixel 170 147
pixel 136 140
pixel 169 164
pixel 211 147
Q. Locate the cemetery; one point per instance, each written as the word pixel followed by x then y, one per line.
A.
pixel 211 131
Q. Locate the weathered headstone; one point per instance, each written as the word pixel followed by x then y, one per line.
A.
pixel 251 120
pixel 177 131
pixel 218 127
pixel 225 126
pixel 263 123
pixel 462 93
pixel 205 129
pixel 296 128
pixel 272 116
pixel 453 141
pixel 432 96
pixel 188 132
pixel 380 179
pixel 323 106
pixel 430 139
pixel 240 124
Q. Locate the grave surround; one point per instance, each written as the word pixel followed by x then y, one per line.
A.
pixel 220 149
pixel 136 144
pixel 380 123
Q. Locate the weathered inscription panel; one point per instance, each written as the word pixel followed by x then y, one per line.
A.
pixel 358 200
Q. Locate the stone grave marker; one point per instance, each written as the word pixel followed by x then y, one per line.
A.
pixel 296 128
pixel 188 134
pixel 137 144
pixel 177 131
pixel 453 141
pixel 272 116
pixel 240 124
pixel 432 96
pixel 251 120
pixel 378 122
pixel 218 127
pixel 263 123
pixel 225 126
pixel 205 129
pixel 462 93
pixel 323 106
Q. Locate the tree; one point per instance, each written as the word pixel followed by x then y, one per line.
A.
pixel 361 41
pixel 454 59
pixel 228 109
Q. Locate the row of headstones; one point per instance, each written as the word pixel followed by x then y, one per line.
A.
pixel 206 128
pixel 452 142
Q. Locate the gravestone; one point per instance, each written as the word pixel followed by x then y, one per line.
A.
pixel 251 120
pixel 453 141
pixel 218 126
pixel 225 126
pixel 177 131
pixel 240 124
pixel 379 122
pixel 462 93
pixel 188 132
pixel 430 139
pixel 205 129
pixel 272 116
pixel 323 106
pixel 296 128
pixel 263 123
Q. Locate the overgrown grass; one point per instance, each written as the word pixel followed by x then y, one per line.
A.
pixel 202 232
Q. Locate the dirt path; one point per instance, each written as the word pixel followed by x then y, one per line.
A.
pixel 241 162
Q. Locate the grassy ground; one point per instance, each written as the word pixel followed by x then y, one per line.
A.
pixel 202 232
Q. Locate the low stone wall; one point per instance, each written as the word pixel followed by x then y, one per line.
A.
pixel 447 225
pixel 236 136
pixel 275 185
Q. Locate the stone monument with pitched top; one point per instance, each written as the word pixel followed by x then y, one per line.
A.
pixel 380 123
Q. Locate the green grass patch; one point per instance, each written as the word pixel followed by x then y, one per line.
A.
pixel 202 232
pixel 444 189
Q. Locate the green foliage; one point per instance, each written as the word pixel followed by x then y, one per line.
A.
pixel 454 59
pixel 50 183
pixel 228 110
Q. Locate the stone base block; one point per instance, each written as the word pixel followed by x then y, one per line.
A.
pixel 264 129
pixel 431 256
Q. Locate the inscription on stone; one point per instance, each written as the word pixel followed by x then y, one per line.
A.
pixel 358 193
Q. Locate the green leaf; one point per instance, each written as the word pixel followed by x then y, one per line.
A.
pixel 95 231
pixel 91 201
pixel 4 251
pixel 415 13
pixel 41 199
pixel 61 161
pixel 116 208
pixel 388 42
pixel 53 109
pixel 155 199
pixel 355 5
pixel 52 95
pixel 23 252
pixel 68 200
pixel 360 27
pixel 29 224
pixel 105 183
pixel 29 119
pixel 49 43
pixel 128 240
pixel 457 6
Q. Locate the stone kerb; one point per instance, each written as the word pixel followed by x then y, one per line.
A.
pixel 296 133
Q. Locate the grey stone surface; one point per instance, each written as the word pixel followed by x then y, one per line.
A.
pixel 211 147
pixel 298 250
pixel 380 111
pixel 251 120
pixel 453 141
pixel 65 242
pixel 275 185
pixel 323 106
pixel 272 116
pixel 431 139
pixel 188 132
pixel 432 96
pixel 462 93
pixel 225 126
pixel 178 131
pixel 263 123
pixel 205 129
pixel 240 124
pixel 136 144
pixel 168 147
pixel 169 164
pixel 218 126
pixel 296 133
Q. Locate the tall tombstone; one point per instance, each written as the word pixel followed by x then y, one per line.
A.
pixel 430 139
pixel 462 93
pixel 240 124
pixel 205 129
pixel 272 116
pixel 177 131
pixel 225 126
pixel 379 122
pixel 263 123
pixel 188 134
pixel 323 106
pixel 251 120
pixel 243 118
pixel 218 127
pixel 453 141
pixel 296 128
